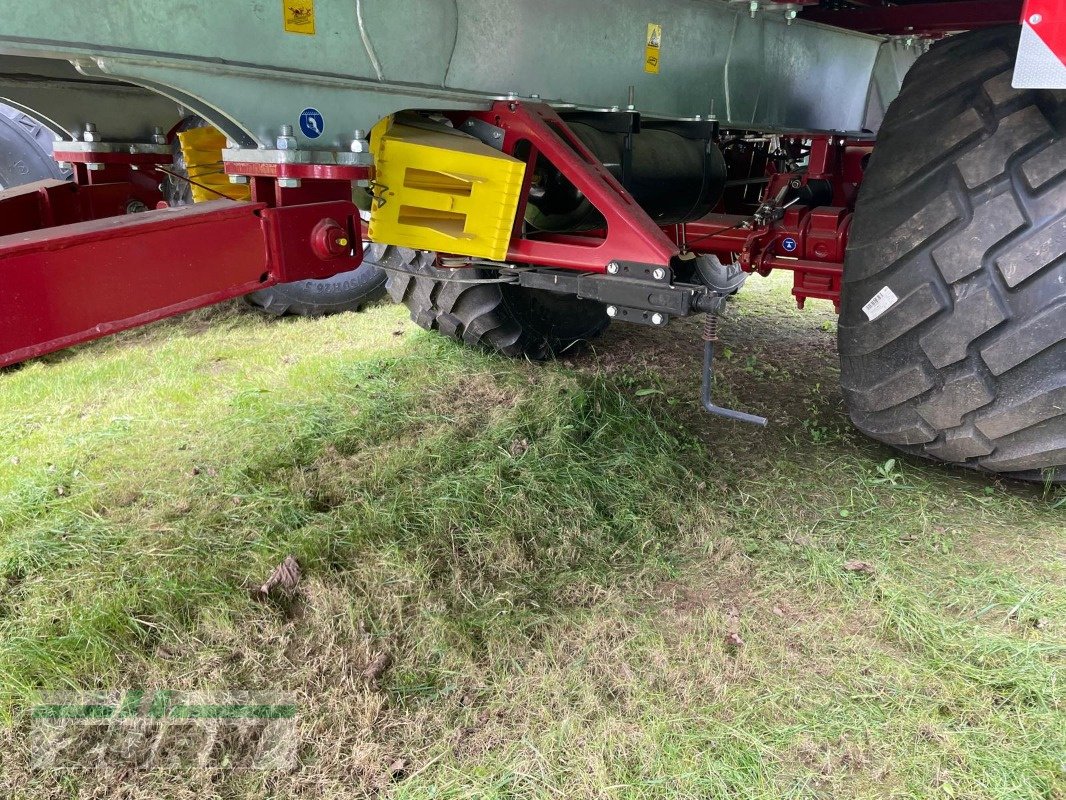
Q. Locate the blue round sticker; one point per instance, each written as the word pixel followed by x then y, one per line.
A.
pixel 311 123
pixel 788 244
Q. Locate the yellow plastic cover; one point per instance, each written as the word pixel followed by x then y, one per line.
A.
pixel 438 189
pixel 202 150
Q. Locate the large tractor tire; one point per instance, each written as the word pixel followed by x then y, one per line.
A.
pixel 501 317
pixel 953 323
pixel 25 150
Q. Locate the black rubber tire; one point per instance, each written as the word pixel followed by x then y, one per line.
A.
pixel 506 319
pixel 25 150
pixel 962 214
pixel 348 291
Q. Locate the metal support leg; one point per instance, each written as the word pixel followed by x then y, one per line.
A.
pixel 710 336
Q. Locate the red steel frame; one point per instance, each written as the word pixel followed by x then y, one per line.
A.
pixel 75 265
pixel 808 241
pixel 631 235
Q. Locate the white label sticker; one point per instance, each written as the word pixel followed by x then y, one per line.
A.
pixel 880 303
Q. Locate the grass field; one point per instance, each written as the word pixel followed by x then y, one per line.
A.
pixel 586 588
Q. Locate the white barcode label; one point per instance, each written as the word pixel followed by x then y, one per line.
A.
pixel 879 304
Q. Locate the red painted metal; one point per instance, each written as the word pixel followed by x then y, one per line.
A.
pixel 1047 18
pixel 78 282
pixel 322 172
pixel 536 131
pixel 921 18
pixel 809 242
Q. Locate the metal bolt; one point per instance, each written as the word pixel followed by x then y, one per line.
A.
pixel 1035 19
pixel 287 141
pixel 158 137
pixel 512 95
pixel 497 135
pixel 534 96
pixel 659 273
pixel 612 311
pixel 94 166
pixel 90 133
pixel 289 183
pixel 613 268
pixel 790 15
pixel 238 179
pixel 657 318
pixel 359 142
pixel 753 6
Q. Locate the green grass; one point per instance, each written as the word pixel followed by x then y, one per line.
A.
pixel 553 556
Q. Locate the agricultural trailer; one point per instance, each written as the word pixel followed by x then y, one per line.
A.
pixel 526 173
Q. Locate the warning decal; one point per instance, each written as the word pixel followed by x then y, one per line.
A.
pixel 652 45
pixel 299 16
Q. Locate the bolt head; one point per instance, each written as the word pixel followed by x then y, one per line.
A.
pixel 94 166
pixel 287 143
pixel 289 183
pixel 657 319
pixel 238 179
pixel 659 273
pixel 1035 19
pixel 612 311
pixel 613 268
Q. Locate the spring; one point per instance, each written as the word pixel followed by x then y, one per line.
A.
pixel 710 328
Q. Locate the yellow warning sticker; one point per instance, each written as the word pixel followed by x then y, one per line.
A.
pixel 299 16
pixel 651 48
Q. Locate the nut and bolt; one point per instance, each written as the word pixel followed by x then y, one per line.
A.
pixel 1036 19
pixel 534 96
pixel 612 268
pixel 289 183
pixel 94 166
pixel 239 180
pixel 658 273
pixel 657 318
pixel 158 137
pixel 359 142
pixel 612 311
pixel 287 140
pixel 753 7
pixel 512 95
pixel 91 134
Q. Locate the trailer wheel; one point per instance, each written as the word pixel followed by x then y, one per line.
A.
pixel 953 323
pixel 25 150
pixel 513 321
pixel 348 291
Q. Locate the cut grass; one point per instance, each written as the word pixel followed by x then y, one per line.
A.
pixel 553 557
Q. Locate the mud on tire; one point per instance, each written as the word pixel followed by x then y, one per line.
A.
pixel 962 215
